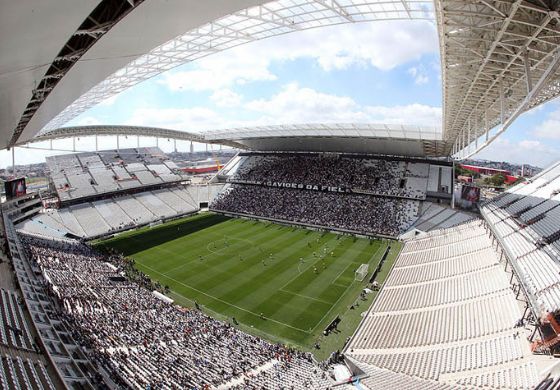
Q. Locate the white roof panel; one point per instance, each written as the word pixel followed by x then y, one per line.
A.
pixel 32 33
pixel 136 34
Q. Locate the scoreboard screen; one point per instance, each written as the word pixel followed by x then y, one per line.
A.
pixel 15 188
pixel 470 193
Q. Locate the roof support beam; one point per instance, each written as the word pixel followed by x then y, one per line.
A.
pixel 85 131
pixel 502 105
pixel 527 62
pixel 406 7
pixel 489 53
pixel 524 58
pixel 77 45
pixel 335 7
pixel 541 84
pixel 248 25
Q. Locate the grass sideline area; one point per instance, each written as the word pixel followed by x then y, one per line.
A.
pixel 282 283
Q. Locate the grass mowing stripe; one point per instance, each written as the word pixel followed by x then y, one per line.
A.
pixel 199 270
pixel 277 270
pixel 311 282
pixel 293 306
pixel 307 297
pixel 343 279
pixel 301 281
pixel 255 276
pixel 340 275
pixel 218 299
pixel 332 307
pixel 254 259
pixel 163 233
pixel 296 301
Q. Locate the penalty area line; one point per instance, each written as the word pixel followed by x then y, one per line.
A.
pixel 306 297
pixel 341 296
pixel 332 307
pixel 221 300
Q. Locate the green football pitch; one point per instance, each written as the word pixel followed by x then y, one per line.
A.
pixel 283 283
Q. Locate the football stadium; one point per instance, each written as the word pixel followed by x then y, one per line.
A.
pixel 317 256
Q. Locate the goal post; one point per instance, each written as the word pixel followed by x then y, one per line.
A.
pixel 361 272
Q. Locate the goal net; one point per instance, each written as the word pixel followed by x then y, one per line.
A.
pixel 361 272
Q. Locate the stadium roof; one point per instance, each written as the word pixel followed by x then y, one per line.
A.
pixel 499 58
pixel 350 138
pixel 340 137
pixel 51 53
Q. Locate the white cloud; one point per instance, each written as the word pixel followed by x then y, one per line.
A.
pixel 222 70
pixel 86 121
pixel 527 151
pixel 550 128
pixel 305 105
pixel 412 114
pixel 383 45
pixel 421 79
pixel 301 105
pixel 532 145
pixel 418 74
pixel 226 98
pixel 187 119
pixel 292 105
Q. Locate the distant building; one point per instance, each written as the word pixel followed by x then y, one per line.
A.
pixel 465 179
pixel 490 172
pixel 199 167
pixel 485 170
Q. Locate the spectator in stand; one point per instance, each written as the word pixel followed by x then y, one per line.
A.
pixel 354 212
pixel 143 342
pixel 374 176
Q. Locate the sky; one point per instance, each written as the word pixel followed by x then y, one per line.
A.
pixel 376 72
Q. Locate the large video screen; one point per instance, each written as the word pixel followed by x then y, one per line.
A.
pixel 15 188
pixel 470 194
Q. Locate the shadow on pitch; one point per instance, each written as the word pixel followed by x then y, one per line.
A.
pixel 164 233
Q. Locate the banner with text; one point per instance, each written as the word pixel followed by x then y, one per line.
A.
pixel 300 186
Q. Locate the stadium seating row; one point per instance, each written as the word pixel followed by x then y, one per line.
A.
pixel 443 267
pixel 350 212
pixel 143 342
pixel 445 237
pixel 371 175
pixel 283 375
pixel 455 249
pixel 526 220
pixel 431 363
pixel 442 291
pixel 380 378
pixel 92 219
pixel 435 217
pixel 14 331
pixel 443 324
pixel 447 313
pixel 515 377
pixel 88 174
pixel 17 373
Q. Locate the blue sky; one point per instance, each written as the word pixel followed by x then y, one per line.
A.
pixel 384 72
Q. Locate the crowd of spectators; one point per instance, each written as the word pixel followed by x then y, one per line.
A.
pixel 375 176
pixel 143 342
pixel 286 375
pixel 354 212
